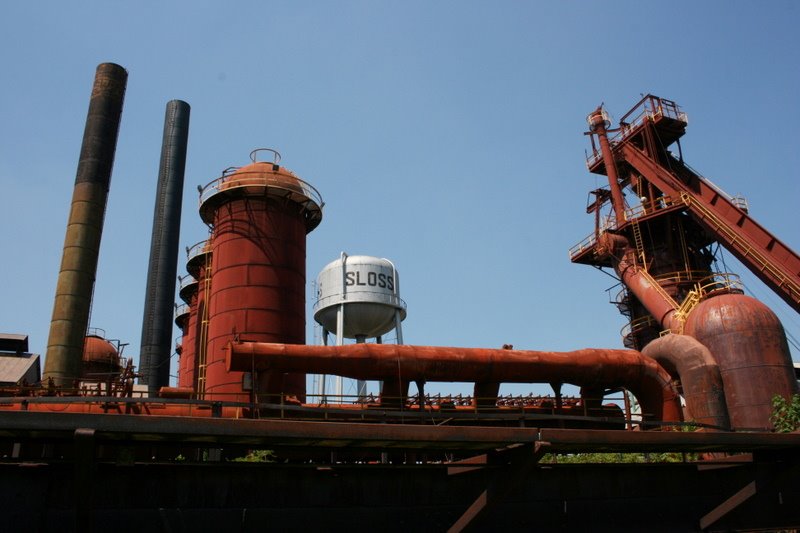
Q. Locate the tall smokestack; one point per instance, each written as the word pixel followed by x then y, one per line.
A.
pixel 85 226
pixel 156 346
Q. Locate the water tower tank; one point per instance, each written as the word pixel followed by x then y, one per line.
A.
pixel 368 291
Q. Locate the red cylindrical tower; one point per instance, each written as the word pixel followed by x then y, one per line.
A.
pixel 186 318
pixel 260 216
pixel 198 265
pixel 749 344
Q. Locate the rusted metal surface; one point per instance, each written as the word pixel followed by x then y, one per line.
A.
pixel 196 343
pixel 85 226
pixel 404 363
pixel 258 276
pixel 100 359
pixel 699 375
pixel 749 343
pixel 315 434
pixel 128 407
pixel 598 124
pixel 176 392
pixel 765 255
pixel 623 258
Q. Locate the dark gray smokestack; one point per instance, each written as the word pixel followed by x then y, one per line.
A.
pixel 156 346
pixel 85 227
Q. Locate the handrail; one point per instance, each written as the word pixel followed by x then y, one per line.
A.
pixel 181 310
pixel 649 207
pixel 747 250
pixel 657 287
pixel 649 107
pixel 241 179
pixel 186 281
pixel 634 326
pixel 631 213
pixel 389 299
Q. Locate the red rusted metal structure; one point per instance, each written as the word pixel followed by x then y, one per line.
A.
pixel 661 220
pixel 259 215
pixel 465 462
pixel 592 369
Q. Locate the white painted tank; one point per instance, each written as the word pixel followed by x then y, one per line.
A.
pixel 367 288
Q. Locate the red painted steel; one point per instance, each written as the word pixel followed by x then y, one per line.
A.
pixel 765 255
pixel 199 266
pixel 392 363
pixel 699 374
pixel 186 362
pixel 749 343
pixel 598 124
pixel 642 285
pixel 258 276
pixel 100 358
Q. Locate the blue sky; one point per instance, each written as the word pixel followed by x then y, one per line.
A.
pixel 445 136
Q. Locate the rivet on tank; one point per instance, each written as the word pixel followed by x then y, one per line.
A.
pixel 260 215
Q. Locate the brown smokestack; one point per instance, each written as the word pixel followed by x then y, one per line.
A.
pixel 85 226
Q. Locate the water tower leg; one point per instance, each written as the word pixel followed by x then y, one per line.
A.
pixel 361 385
pixel 323 377
pixel 398 326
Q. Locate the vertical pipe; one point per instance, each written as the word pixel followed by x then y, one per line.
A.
pixel 85 226
pixel 597 124
pixel 156 349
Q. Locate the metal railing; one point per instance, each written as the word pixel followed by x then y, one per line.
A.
pixel 373 297
pixel 649 108
pixel 186 281
pixel 198 248
pixel 241 180
pixel 754 256
pixel 181 310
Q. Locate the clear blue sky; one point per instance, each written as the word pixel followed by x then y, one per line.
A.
pixel 446 136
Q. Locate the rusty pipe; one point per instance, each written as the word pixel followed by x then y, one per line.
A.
pixel 606 368
pixel 700 377
pixel 638 281
pixel 598 126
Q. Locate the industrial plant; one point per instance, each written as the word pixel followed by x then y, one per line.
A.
pixel 674 430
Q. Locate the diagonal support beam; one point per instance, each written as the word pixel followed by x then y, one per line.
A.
pixel 501 485
pixel 719 512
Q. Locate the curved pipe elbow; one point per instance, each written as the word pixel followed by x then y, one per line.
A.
pixel 699 375
pixel 605 368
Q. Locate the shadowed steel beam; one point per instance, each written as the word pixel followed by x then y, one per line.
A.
pixel 156 345
pixel 85 226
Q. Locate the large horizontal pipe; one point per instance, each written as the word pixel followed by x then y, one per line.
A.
pixel 700 377
pixel 593 368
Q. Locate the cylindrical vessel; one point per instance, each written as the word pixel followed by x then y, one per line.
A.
pixel 260 215
pixel 367 287
pixel 100 359
pixel 198 264
pixel 749 344
pixel 188 293
pixel 154 358
pixel 85 226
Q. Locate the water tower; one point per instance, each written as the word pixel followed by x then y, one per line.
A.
pixel 358 297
